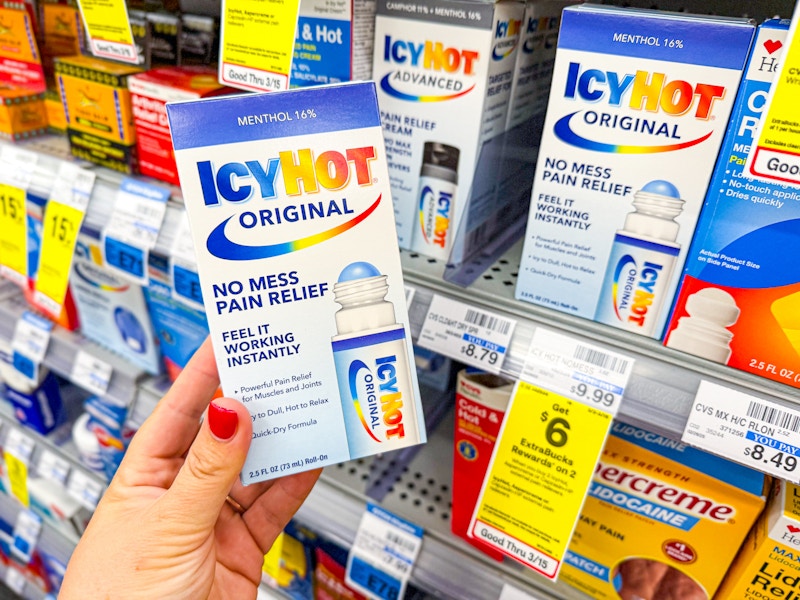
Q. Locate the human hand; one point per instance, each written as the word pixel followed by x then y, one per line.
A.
pixel 166 527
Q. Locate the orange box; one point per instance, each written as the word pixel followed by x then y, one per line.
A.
pixel 56 117
pixel 98 109
pixel 22 113
pixel 62 34
pixel 20 60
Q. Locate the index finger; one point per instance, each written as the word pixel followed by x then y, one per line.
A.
pixel 170 430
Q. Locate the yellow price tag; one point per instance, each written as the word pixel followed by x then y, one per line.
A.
pixel 18 478
pixel 60 232
pixel 14 241
pixel 109 29
pixel 272 559
pixel 540 471
pixel 257 44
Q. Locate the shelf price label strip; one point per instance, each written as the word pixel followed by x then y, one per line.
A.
pixel 383 555
pixel 109 30
pixel 16 171
pixel 550 440
pixel 62 221
pixel 132 232
pixel 758 433
pixel 477 337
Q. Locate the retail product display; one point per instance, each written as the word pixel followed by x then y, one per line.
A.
pixel 333 42
pixel 481 400
pixel 22 113
pixel 767 565
pixel 97 104
pixel 150 91
pixel 308 335
pixel 629 125
pixel 20 60
pixel 738 301
pixel 444 90
pixel 654 516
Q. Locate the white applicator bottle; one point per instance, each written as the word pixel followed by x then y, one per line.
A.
pixel 371 357
pixel 642 259
pixel 704 332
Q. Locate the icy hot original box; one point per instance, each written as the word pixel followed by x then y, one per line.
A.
pixel 291 216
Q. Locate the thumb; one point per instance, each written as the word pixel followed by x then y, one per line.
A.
pixel 212 464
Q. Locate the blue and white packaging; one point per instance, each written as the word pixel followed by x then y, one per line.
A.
pixel 333 42
pixel 290 210
pixel 111 309
pixel 639 104
pixel 444 70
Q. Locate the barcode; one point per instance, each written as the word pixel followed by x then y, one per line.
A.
pixel 400 541
pixel 481 319
pixel 774 416
pixel 601 359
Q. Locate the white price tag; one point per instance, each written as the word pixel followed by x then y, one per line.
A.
pixel 19 444
pixel 53 467
pixel 757 433
pixel 133 229
pixel 383 554
pixel 473 336
pixel 84 489
pixel 17 166
pixel 575 369
pixel 410 291
pixel 73 186
pixel 26 534
pixel 15 580
pixel 182 247
pixel 29 344
pixel 91 373
pixel 138 212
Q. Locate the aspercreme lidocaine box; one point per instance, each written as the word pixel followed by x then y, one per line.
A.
pixel 291 215
pixel 639 103
pixel 661 520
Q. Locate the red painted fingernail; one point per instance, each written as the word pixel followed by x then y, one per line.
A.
pixel 222 421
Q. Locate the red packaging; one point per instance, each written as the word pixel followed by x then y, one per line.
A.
pixel 481 401
pixel 150 91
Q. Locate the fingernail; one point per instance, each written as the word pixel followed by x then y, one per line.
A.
pixel 222 421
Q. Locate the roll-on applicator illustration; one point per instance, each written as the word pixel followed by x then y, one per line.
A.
pixel 786 311
pixel 641 261
pixel 704 332
pixel 130 329
pixel 438 184
pixel 371 357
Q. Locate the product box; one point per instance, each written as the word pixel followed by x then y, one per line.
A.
pixel 22 113
pixel 112 310
pixel 97 104
pixel 639 104
pixel 54 109
pixel 150 91
pixel 739 300
pixel 661 519
pixel 20 60
pixel 767 565
pixel 333 42
pixel 62 35
pixel 444 71
pixel 180 328
pixel 289 205
pixel 481 401
pixel 198 43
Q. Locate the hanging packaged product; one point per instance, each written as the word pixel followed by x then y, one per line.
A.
pixel 739 300
pixel 654 516
pixel 638 107
pixel 444 91
pixel 288 198
pixel 97 104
